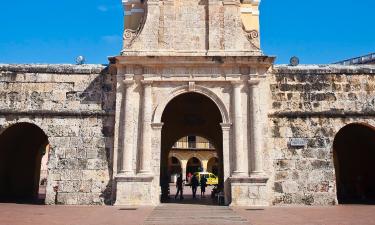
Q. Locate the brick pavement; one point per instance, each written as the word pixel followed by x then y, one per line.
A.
pixel 185 213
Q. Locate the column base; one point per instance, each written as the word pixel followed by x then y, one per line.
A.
pixel 249 191
pixel 135 191
pixel 239 174
pixel 258 175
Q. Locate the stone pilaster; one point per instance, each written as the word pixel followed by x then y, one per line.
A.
pixel 145 165
pixel 127 137
pixel 256 136
pixel 240 170
pixel 226 128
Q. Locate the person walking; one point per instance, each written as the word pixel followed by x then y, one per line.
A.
pixel 179 186
pixel 194 185
pixel 203 186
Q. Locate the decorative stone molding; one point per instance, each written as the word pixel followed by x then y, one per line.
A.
pixel 253 37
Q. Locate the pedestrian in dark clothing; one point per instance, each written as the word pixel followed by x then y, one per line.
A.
pixel 203 186
pixel 179 185
pixel 194 185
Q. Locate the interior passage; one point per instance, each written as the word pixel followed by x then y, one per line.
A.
pixel 354 157
pixel 196 117
pixel 21 149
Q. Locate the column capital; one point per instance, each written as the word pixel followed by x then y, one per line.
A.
pixel 226 126
pixel 237 83
pixel 157 126
pixel 147 82
pixel 128 82
pixel 253 82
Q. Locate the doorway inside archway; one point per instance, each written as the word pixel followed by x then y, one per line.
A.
pixel 193 165
pixel 22 147
pixel 195 117
pixel 354 158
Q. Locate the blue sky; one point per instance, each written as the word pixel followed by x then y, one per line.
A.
pixel 47 31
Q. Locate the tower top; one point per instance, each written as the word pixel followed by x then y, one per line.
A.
pixel 191 27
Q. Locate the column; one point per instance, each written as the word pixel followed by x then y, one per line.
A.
pixel 156 146
pixel 145 167
pixel 183 168
pixel 205 164
pixel 226 160
pixel 238 138
pixel 127 137
pixel 256 130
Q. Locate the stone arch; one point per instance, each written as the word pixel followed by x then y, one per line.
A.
pixel 178 156
pixel 193 168
pixel 354 157
pixel 211 165
pixel 23 145
pixel 158 112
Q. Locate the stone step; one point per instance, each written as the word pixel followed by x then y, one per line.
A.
pixel 175 214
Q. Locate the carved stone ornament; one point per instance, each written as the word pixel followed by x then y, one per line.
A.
pixel 130 35
pixel 253 37
pixel 252 34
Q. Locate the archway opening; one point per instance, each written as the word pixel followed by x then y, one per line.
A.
pixel 213 165
pixel 354 158
pixel 174 168
pixel 193 165
pixel 194 117
pixel 22 147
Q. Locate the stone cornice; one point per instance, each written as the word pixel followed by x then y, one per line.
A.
pixel 54 68
pixel 194 60
pixel 324 69
pixel 50 113
pixel 322 114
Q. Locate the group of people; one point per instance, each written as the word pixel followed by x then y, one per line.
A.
pixel 194 186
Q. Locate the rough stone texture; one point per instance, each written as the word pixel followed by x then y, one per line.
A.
pixel 313 102
pixel 74 106
pixel 194 27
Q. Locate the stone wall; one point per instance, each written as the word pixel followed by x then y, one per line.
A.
pixel 313 103
pixel 74 106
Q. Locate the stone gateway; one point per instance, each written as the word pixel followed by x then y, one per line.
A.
pixel 90 134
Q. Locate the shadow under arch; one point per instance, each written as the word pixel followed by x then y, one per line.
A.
pixel 159 110
pixel 354 160
pixel 22 147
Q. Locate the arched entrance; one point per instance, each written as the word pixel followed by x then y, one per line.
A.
pixel 193 165
pixel 22 147
pixel 191 114
pixel 174 168
pixel 354 158
pixel 213 165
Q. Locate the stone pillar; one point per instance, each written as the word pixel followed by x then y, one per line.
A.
pixel 183 168
pixel 226 127
pixel 204 165
pixel 127 140
pixel 145 160
pixel 240 168
pixel 256 137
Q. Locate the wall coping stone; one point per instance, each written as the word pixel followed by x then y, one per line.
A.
pixel 324 69
pixel 54 68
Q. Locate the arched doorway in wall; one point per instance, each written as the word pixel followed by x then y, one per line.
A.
pixel 354 159
pixel 193 165
pixel 22 147
pixel 213 165
pixel 174 168
pixel 191 114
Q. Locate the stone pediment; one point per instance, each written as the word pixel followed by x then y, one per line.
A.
pixel 194 27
